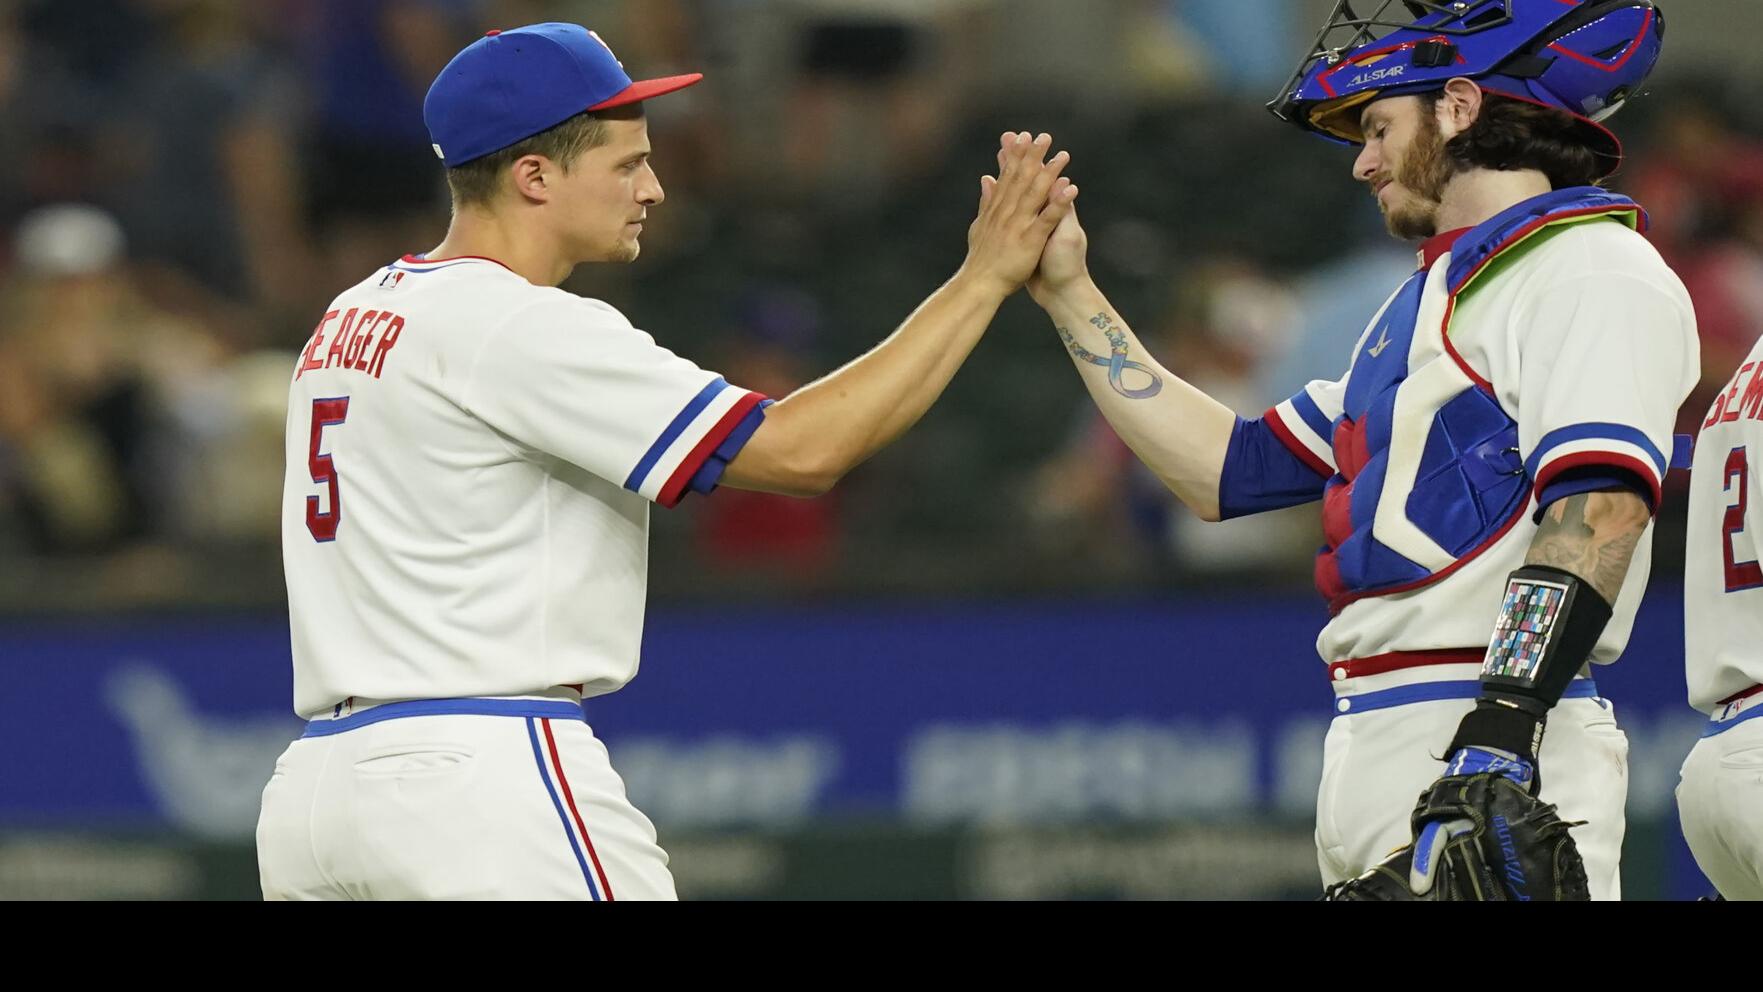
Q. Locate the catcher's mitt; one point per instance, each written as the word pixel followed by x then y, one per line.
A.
pixel 1481 838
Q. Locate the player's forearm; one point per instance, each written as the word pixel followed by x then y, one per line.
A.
pixel 1178 431
pixel 812 437
pixel 1549 624
pixel 1592 535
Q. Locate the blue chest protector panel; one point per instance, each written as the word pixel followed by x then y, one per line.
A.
pixel 1470 484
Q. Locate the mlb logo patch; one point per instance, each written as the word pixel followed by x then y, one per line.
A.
pixel 391 279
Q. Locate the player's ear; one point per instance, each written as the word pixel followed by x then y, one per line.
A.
pixel 1459 107
pixel 531 176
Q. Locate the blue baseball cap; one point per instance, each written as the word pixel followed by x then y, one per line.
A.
pixel 510 85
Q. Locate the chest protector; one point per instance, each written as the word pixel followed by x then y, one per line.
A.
pixel 1429 470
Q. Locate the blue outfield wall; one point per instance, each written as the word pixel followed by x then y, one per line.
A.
pixel 1025 713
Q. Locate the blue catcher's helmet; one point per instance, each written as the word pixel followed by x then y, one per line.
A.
pixel 1582 56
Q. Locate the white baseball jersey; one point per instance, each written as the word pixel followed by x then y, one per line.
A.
pixel 1570 352
pixel 471 460
pixel 1540 354
pixel 1723 580
pixel 1720 796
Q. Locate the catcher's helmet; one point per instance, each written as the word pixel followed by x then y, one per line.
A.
pixel 1582 56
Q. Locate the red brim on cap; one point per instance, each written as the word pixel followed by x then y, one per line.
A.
pixel 644 89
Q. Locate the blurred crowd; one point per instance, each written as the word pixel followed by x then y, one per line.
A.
pixel 185 183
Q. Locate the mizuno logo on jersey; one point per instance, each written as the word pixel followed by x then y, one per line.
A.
pixel 1383 341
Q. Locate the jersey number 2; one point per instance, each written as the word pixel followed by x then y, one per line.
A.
pixel 1739 574
pixel 325 413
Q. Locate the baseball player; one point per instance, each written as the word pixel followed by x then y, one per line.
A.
pixel 1489 461
pixel 471 457
pixel 1720 799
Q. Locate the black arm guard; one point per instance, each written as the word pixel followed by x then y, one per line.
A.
pixel 1549 623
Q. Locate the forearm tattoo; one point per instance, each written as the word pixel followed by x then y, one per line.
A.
pixel 1592 535
pixel 1116 361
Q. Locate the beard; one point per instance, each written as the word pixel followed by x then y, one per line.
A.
pixel 1422 176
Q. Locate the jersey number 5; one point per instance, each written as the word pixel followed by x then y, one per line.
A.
pixel 1739 574
pixel 325 413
